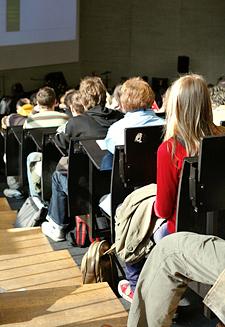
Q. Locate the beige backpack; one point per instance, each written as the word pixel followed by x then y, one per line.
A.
pixel 99 264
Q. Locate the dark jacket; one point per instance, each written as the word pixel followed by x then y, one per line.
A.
pixel 95 121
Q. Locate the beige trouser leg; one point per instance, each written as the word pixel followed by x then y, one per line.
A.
pixel 174 261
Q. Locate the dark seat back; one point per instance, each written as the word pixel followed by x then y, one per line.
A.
pixel 202 186
pixel 32 141
pixel 88 180
pixel 138 166
pixel 201 195
pixel 210 185
pixel 134 164
pixel 13 140
pixel 51 155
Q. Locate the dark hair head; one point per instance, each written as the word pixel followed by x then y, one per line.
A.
pixel 67 98
pixel 221 81
pixel 46 97
pixel 7 106
pixel 76 102
pixel 33 99
pixel 22 102
pixel 117 93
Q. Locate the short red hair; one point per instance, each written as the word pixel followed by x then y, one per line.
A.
pixel 136 94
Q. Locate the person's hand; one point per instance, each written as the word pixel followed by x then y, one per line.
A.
pixel 220 324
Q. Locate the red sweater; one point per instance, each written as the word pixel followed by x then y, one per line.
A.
pixel 168 176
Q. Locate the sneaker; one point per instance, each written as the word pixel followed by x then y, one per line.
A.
pixel 55 234
pixel 175 316
pixel 184 302
pixel 13 193
pixel 125 290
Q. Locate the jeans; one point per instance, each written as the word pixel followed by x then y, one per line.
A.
pixel 175 261
pixel 31 159
pixel 58 209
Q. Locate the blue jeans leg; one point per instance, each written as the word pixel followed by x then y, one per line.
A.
pixel 58 210
pixel 30 158
pixel 133 271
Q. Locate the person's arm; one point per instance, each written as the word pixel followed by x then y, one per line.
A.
pixel 110 141
pixel 167 182
pixel 63 135
pixel 115 136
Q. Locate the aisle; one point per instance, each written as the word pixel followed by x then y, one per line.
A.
pixel 43 287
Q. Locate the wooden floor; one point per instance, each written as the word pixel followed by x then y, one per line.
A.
pixel 44 287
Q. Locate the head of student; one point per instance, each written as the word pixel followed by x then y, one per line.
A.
pixel 217 95
pixel 77 107
pixel 117 94
pixel 46 98
pixel 136 94
pixel 189 112
pixel 92 92
pixel 7 106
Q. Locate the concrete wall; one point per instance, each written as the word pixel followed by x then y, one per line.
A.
pixel 140 37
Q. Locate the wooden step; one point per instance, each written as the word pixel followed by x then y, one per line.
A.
pixel 7 219
pixel 39 271
pixel 4 205
pixel 23 241
pixel 89 305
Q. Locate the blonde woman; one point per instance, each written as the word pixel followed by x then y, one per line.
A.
pixel 189 116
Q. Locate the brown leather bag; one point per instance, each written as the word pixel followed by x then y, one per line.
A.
pixel 99 264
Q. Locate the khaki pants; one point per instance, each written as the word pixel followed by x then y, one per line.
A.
pixel 173 262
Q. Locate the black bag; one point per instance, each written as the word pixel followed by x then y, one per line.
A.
pixel 32 213
pixel 99 264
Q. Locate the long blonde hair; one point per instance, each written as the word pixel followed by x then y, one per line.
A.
pixel 189 113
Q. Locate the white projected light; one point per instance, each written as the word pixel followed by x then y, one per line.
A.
pixel 35 33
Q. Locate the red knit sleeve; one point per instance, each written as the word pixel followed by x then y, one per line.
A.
pixel 167 182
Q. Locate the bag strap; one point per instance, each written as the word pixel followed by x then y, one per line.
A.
pixel 93 258
pixel 114 257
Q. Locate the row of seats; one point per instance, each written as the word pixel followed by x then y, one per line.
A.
pixel 39 286
pixel 202 186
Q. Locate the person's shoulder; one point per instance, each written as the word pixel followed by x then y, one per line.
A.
pixel 166 145
pixel 119 122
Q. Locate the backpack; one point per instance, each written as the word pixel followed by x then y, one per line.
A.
pixel 79 236
pixel 32 213
pixel 99 264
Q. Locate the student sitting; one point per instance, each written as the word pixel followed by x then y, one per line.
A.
pixel 189 117
pixel 23 108
pixel 45 116
pixel 95 120
pixel 217 95
pixel 136 100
